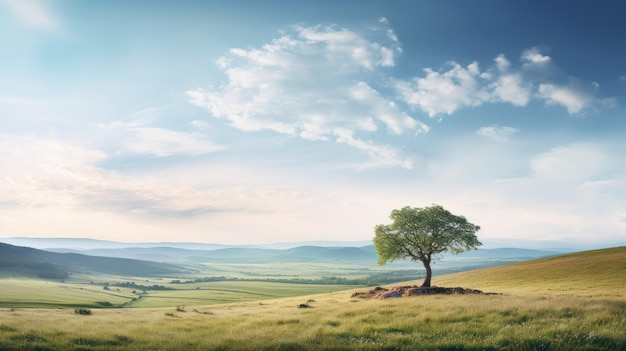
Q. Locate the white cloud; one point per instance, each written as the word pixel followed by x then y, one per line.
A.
pixel 445 92
pixel 200 124
pixel 574 190
pixel 35 171
pixel 496 132
pixel 47 173
pixel 511 88
pixel 567 96
pixel 502 63
pixel 381 156
pixel 534 55
pixel 33 12
pixel 572 163
pixel 310 83
pixel 140 138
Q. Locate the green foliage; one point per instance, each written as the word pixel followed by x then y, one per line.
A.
pixel 419 233
pixel 422 233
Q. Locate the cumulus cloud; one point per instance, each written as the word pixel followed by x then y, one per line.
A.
pixel 316 83
pixel 319 83
pixel 444 92
pixel 511 88
pixel 448 90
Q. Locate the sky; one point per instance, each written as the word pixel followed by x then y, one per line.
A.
pixel 250 122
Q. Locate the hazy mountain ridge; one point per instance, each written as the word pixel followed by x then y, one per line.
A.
pixel 158 259
pixel 365 255
pixel 29 261
pixel 81 244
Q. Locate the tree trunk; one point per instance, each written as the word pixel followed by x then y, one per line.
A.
pixel 429 274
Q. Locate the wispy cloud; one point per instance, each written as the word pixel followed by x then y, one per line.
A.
pixel 317 83
pixel 34 13
pixel 138 137
pixel 570 190
pixel 496 132
pixel 48 173
pixel 577 162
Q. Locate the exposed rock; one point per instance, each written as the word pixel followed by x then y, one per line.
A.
pixel 399 291
pixel 389 294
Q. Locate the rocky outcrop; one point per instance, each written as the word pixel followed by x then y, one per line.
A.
pixel 399 291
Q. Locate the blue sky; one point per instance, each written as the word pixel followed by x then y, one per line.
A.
pixel 246 122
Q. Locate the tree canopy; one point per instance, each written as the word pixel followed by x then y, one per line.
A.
pixel 422 233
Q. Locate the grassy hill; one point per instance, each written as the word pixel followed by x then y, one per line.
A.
pixel 597 272
pixel 17 260
pixel 533 314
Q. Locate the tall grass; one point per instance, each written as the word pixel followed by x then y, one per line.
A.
pixel 335 321
pixel 589 273
pixel 576 302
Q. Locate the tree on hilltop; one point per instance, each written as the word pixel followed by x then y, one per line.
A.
pixel 422 233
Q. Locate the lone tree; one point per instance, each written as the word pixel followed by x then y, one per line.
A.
pixel 421 234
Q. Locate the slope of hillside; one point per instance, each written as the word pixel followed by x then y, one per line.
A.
pixel 17 260
pixel 597 272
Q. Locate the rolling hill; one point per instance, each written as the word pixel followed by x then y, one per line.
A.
pixel 17 260
pixel 566 302
pixel 596 272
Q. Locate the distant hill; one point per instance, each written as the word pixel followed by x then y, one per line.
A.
pixel 89 244
pixel 17 260
pixel 596 272
pixel 365 255
pixel 93 244
pixel 239 254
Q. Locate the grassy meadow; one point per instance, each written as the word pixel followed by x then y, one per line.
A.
pixel 21 292
pixel 572 302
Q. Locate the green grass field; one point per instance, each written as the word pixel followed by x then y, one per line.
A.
pixel 39 293
pixel 574 302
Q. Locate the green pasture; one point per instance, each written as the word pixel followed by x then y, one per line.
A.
pixel 228 292
pixel 571 302
pixel 39 293
pixel 299 270
pixel 333 322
